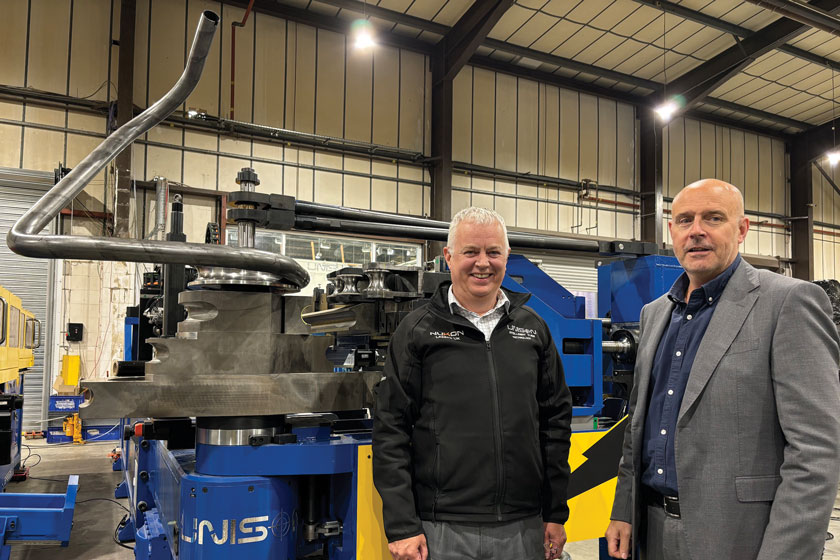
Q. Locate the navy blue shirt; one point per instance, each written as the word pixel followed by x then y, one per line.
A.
pixel 669 376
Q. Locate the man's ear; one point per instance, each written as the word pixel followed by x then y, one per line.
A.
pixel 743 227
pixel 447 255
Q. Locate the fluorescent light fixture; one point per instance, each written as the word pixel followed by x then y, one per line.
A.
pixel 833 157
pixel 192 113
pixel 667 110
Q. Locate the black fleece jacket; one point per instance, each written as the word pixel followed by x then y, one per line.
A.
pixel 471 430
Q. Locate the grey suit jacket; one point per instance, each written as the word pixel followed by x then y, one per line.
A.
pixel 758 434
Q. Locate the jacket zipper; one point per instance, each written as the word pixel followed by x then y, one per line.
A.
pixel 497 429
pixel 437 480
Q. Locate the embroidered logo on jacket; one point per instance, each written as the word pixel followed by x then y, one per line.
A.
pixel 448 335
pixel 520 333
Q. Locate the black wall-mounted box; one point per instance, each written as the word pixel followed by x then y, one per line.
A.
pixel 75 332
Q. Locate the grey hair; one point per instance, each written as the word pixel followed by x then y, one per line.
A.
pixel 476 215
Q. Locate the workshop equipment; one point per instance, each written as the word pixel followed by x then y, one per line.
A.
pixel 248 433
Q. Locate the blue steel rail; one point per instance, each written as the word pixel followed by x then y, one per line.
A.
pixel 37 517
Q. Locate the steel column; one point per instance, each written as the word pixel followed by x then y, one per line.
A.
pixel 650 174
pixel 125 112
pixel 804 149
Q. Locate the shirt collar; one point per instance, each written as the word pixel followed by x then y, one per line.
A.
pixel 711 290
pixel 501 301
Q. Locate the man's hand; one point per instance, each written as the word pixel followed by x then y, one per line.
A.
pixel 555 540
pixel 412 548
pixel 618 539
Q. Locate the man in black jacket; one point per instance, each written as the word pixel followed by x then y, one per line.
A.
pixel 473 418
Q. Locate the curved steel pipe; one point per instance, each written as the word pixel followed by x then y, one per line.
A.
pixel 516 239
pixel 25 237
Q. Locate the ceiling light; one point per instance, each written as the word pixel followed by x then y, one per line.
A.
pixel 833 157
pixel 364 40
pixel 192 113
pixel 666 110
pixel 362 32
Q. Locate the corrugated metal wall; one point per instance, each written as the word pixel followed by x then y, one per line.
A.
pixel 287 75
pixel 29 279
pixel 520 125
pixel 826 220
pixel 754 163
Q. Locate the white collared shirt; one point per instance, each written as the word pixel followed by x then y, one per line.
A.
pixel 487 322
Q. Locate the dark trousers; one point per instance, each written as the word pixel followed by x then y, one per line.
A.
pixel 665 536
pixel 515 540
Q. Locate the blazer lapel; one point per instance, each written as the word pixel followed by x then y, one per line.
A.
pixel 735 304
pixel 660 314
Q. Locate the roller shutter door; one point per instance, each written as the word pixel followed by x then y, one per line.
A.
pixel 29 279
pixel 576 274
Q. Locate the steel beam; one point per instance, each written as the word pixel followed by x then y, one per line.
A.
pixel 461 42
pixel 731 28
pixel 451 53
pixel 696 84
pixel 125 112
pixel 758 113
pixel 650 174
pixel 826 176
pixel 813 15
pixel 335 24
pixel 804 150
pixel 442 91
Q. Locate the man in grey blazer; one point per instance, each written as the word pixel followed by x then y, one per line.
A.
pixel 732 448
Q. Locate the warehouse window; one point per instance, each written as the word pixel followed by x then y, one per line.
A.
pixel 14 327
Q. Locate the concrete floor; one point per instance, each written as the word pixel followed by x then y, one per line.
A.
pixel 94 522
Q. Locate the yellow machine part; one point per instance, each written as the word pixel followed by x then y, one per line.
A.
pixel 70 367
pixel 589 512
pixel 370 531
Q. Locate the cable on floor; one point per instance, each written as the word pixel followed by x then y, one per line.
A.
pixel 49 479
pixel 102 500
pixel 116 530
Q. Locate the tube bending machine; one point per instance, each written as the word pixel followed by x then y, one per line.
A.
pixel 248 432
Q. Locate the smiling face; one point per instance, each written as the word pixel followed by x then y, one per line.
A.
pixel 477 262
pixel 707 226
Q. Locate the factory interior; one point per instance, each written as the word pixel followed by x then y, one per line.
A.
pixel 215 213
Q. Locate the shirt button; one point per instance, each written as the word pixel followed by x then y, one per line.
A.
pixel 664 432
pixel 679 353
pixel 670 391
pixel 659 471
pixel 688 317
pixel 710 299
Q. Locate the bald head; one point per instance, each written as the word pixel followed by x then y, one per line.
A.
pixel 726 193
pixel 707 226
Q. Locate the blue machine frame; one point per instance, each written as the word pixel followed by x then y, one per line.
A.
pixel 243 495
pixel 16 424
pixel 565 316
pixel 624 287
pixel 37 517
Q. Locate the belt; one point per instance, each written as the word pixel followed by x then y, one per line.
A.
pixel 671 504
